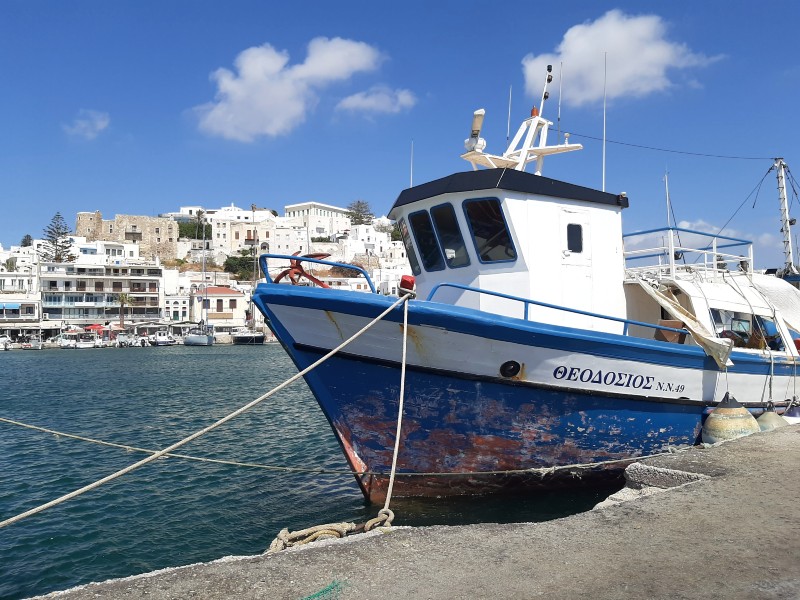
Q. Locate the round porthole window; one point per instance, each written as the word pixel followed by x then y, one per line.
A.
pixel 510 368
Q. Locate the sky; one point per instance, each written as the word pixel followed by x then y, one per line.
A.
pixel 142 107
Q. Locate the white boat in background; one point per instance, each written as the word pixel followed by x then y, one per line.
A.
pixel 66 340
pixel 163 338
pixel 33 342
pixel 540 339
pixel 202 335
pixel 86 339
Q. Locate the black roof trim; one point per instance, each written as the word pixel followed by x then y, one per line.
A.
pixel 507 179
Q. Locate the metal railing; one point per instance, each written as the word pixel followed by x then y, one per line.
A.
pixel 525 301
pixel 528 302
pixel 712 254
pixel 262 261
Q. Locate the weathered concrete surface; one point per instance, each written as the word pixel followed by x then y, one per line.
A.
pixel 734 535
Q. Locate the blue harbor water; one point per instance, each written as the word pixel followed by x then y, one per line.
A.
pixel 174 511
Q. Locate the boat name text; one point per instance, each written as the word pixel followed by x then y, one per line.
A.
pixel 615 378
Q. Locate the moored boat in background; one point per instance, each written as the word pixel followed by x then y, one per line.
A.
pixel 244 336
pixel 202 335
pixel 162 337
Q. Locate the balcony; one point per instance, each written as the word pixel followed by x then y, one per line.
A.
pixel 7 318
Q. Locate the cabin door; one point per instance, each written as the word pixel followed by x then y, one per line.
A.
pixel 576 263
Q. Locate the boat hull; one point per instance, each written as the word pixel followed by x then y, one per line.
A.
pixel 474 436
pixel 198 339
pixel 248 339
pixel 470 424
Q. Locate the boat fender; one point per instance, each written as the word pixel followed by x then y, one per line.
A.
pixel 729 420
pixel 769 419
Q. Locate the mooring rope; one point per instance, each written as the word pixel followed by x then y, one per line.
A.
pixel 319 471
pixel 285 539
pixel 385 515
pixel 203 431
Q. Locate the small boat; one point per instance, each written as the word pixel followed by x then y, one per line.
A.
pixel 33 342
pixel 86 339
pixel 163 338
pixel 66 340
pixel 247 337
pixel 202 335
pixel 541 341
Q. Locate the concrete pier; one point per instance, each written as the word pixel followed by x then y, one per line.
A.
pixel 732 534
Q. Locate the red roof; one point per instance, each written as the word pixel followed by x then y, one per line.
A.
pixel 219 291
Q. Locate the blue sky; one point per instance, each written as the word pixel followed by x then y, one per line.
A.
pixel 141 107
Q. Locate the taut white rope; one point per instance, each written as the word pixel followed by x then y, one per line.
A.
pixel 385 515
pixel 197 434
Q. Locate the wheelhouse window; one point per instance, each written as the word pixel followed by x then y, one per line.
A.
pixel 756 332
pixel 489 231
pixel 574 238
pixel 409 245
pixel 455 251
pixel 426 241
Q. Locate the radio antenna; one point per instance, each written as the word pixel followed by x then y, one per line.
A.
pixel 508 128
pixel 560 78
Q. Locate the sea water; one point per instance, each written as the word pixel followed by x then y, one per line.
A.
pixel 173 511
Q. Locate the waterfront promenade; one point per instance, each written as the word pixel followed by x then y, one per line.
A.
pixel 732 535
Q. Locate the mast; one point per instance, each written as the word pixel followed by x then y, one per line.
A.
pixel 204 310
pixel 528 145
pixel 250 308
pixel 786 222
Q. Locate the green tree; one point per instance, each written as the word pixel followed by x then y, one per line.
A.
pixel 192 229
pixel 57 244
pixel 123 299
pixel 241 266
pixel 200 223
pixel 393 230
pixel 360 213
pixel 27 240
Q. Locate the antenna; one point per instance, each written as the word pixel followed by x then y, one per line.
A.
pixel 508 128
pixel 666 189
pixel 412 164
pixel 545 93
pixel 605 73
pixel 560 79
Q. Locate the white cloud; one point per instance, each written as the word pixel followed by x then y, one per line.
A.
pixel 639 57
pixel 379 99
pixel 269 97
pixel 88 124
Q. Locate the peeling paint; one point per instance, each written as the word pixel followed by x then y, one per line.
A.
pixel 468 428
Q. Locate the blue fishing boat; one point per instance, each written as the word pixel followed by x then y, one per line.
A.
pixel 541 342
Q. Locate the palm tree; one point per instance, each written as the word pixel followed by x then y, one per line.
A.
pixel 123 299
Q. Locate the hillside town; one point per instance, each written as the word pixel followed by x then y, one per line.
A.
pixel 127 277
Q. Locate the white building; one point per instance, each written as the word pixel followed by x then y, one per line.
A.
pixel 20 302
pixel 87 291
pixel 321 220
